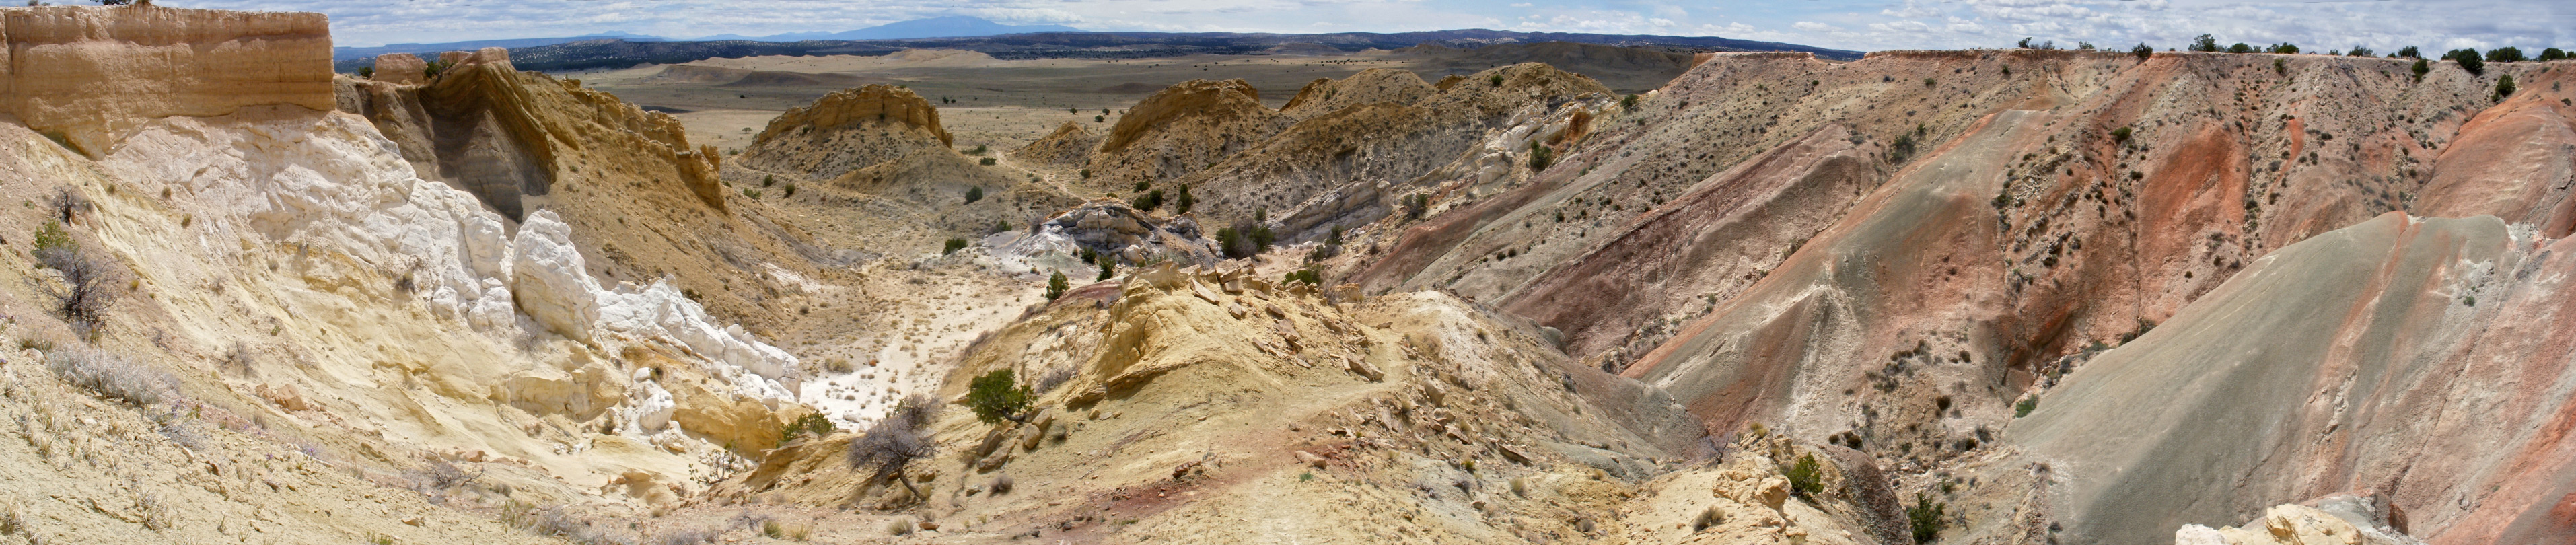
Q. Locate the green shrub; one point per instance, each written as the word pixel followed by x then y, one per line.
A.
pixel 1630 102
pixel 768 180
pixel 2282 48
pixel 995 397
pixel 2142 51
pixel 2240 48
pixel 367 72
pixel 1926 518
pixel 2506 54
pixel 812 423
pixel 1415 205
pixel 1311 275
pixel 1806 477
pixel 974 194
pixel 988 161
pixel 954 244
pixel 2469 60
pixel 1056 285
pixel 1540 157
pixel 1086 174
pixel 1497 80
pixel 1108 267
pixel 2359 51
pixel 1182 204
pixel 2409 52
pixel 1148 201
pixel 979 150
pixel 2280 66
pixel 752 193
pixel 2422 67
pixel 789 191
pixel 2504 87
pixel 2025 406
pixel 2120 135
pixel 1100 119
pixel 2552 54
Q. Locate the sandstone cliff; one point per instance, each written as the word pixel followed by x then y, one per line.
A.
pixel 88 76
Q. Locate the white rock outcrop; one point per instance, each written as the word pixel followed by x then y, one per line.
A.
pixel 331 185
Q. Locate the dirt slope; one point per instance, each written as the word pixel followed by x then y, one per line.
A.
pixel 2350 361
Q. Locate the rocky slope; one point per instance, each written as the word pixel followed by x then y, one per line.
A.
pixel 88 77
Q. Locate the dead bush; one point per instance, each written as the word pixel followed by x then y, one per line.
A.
pixel 892 444
pixel 111 375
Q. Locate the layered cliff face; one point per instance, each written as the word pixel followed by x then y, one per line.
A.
pixel 88 77
pixel 1183 128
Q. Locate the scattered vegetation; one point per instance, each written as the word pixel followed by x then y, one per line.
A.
pixel 2240 48
pixel 2506 54
pixel 2359 51
pixel 2408 52
pixel 996 397
pixel 1926 518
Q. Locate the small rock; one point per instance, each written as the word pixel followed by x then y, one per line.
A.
pixel 416 521
pixel 1311 459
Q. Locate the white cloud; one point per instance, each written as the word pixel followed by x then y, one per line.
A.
pixel 1812 26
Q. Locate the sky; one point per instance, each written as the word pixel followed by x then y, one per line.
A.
pixel 2383 25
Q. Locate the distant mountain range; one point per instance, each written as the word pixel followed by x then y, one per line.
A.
pixel 935 27
pixel 1020 42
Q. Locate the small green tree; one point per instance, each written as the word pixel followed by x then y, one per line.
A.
pixel 1182 204
pixel 1108 267
pixel 1497 80
pixel 2506 54
pixel 2120 135
pixel 1630 102
pixel 1926 518
pixel 2422 67
pixel 2204 43
pixel 366 72
pixel 2552 54
pixel 1056 285
pixel 2283 48
pixel 996 397
pixel 974 194
pixel 2142 51
pixel 2359 51
pixel 2504 87
pixel 2469 60
pixel 2409 52
pixel 2240 48
pixel 1311 275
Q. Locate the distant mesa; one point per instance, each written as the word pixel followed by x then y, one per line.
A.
pixel 1305 49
